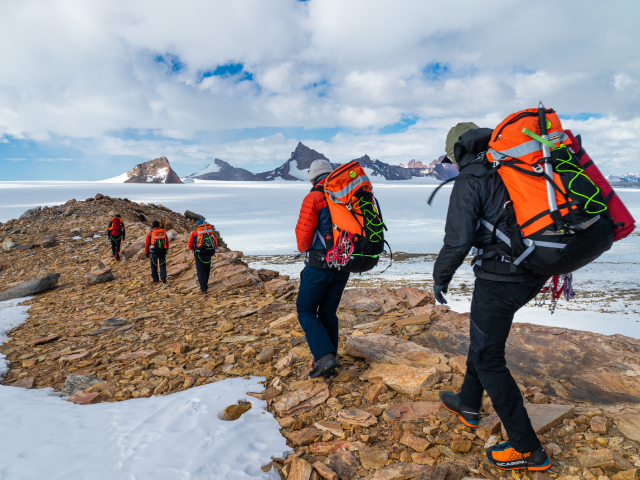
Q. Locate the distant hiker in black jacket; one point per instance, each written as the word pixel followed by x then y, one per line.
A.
pixel 116 233
pixel 476 205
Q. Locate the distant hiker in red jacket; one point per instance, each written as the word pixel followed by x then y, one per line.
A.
pixel 320 287
pixel 116 233
pixel 157 246
pixel 203 244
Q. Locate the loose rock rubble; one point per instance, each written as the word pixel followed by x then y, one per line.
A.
pixel 378 418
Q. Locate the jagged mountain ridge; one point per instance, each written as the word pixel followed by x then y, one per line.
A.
pixel 297 166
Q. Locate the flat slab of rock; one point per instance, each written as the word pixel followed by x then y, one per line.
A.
pixel 402 378
pixel 77 383
pixel 138 354
pixel 592 367
pixel 355 416
pixel 99 276
pixel 343 463
pixel 604 458
pixel 399 471
pixel 629 425
pixel 302 400
pixel 26 382
pixel 544 417
pixel 31 287
pixel 411 411
pixel 378 348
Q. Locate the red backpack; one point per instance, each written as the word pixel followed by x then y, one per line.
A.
pixel 116 226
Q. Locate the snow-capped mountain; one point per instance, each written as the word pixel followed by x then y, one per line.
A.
pixel 153 171
pixel 221 170
pixel 627 177
pixel 297 167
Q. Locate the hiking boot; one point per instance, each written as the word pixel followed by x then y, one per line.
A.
pixel 204 292
pixel 164 280
pixel 505 457
pixel 469 416
pixel 156 283
pixel 324 367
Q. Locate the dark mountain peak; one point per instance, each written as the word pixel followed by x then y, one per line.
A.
pixel 365 161
pixel 304 156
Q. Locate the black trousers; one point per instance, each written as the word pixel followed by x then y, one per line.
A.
pixel 115 247
pixel 203 268
pixel 492 309
pixel 158 263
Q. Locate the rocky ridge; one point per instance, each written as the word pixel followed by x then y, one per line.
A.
pixel 378 418
pixel 154 171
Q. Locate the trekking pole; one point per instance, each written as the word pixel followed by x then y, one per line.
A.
pixel 546 154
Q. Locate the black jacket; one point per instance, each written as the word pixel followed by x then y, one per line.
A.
pixel 473 197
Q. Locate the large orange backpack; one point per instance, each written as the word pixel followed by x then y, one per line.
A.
pixel 545 240
pixel 206 241
pixel 358 227
pixel 159 242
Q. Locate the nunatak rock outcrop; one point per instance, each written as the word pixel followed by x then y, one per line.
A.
pixel 102 332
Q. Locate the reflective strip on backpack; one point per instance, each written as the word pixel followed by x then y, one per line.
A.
pixel 317 234
pixel 531 244
pixel 523 149
pixel 500 235
pixel 336 196
pixel 202 232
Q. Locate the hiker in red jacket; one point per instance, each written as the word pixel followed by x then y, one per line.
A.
pixel 116 234
pixel 320 287
pixel 156 246
pixel 203 244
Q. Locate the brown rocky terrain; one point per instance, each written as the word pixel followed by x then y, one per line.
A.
pixel 154 171
pixel 104 332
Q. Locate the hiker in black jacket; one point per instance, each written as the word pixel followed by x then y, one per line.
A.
pixel 479 201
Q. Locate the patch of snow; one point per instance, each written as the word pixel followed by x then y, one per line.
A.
pixel 300 174
pixel 12 315
pixel 119 179
pixel 97 236
pixel 77 238
pixel 177 436
pixel 211 168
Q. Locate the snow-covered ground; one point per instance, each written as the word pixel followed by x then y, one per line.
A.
pixel 259 219
pixel 179 436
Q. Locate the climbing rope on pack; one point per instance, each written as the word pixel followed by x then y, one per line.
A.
pixel 341 251
pixel 557 286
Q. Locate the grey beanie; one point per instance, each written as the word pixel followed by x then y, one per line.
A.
pixel 319 167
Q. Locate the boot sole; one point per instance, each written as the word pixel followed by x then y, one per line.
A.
pixel 460 417
pixel 328 369
pixel 535 468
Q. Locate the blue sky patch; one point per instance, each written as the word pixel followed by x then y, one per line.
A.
pixel 582 116
pixel 436 71
pixel 400 126
pixel 173 62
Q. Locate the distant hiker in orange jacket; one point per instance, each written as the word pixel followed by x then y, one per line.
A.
pixel 203 244
pixel 320 287
pixel 116 234
pixel 157 246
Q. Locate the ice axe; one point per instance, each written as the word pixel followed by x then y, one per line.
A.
pixel 547 167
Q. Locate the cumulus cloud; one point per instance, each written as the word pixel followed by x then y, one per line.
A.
pixel 150 78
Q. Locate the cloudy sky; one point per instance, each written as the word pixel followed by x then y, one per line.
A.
pixel 90 88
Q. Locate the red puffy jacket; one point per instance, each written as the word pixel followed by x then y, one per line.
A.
pixel 314 215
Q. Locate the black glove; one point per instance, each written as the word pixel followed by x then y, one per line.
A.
pixel 439 290
pixel 147 255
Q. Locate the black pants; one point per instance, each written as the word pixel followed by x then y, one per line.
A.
pixel 115 247
pixel 318 300
pixel 161 263
pixel 492 309
pixel 203 268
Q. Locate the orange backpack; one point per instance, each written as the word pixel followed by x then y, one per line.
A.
pixel 561 220
pixel 206 241
pixel 358 227
pixel 158 243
